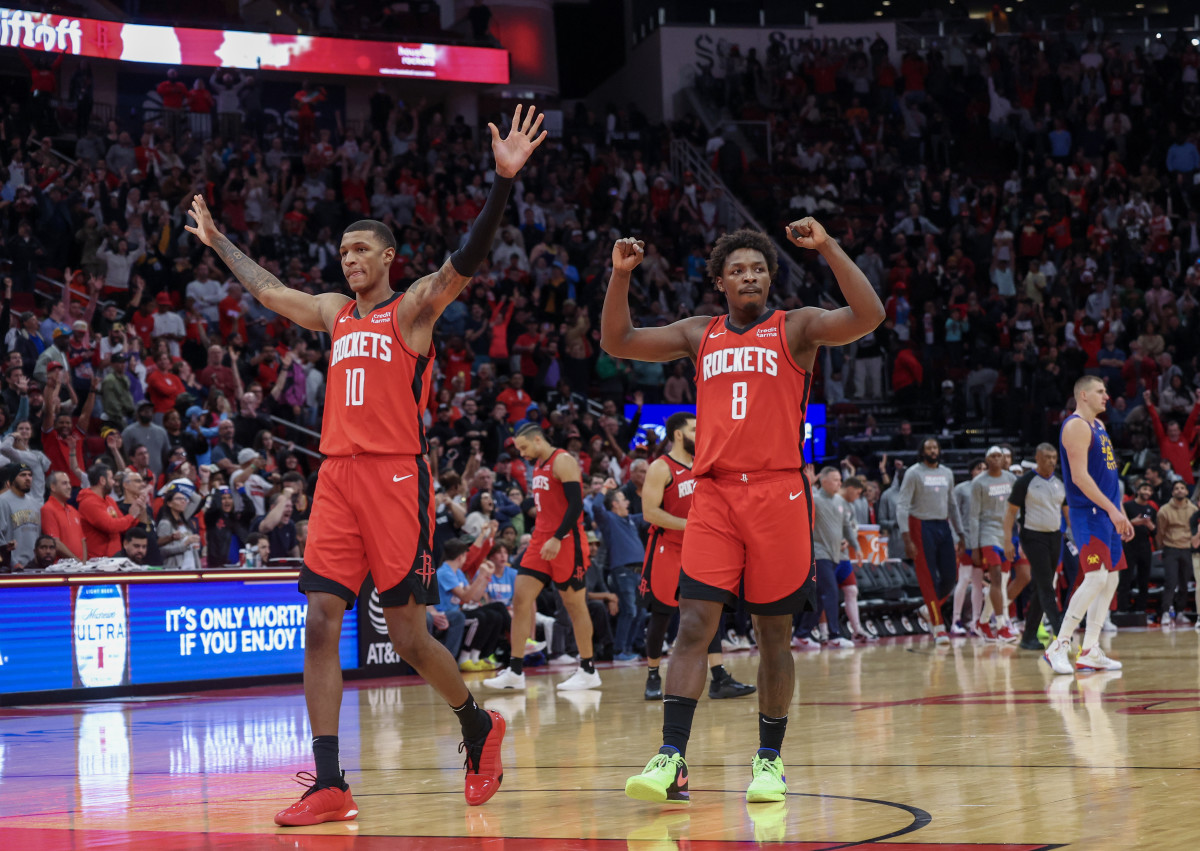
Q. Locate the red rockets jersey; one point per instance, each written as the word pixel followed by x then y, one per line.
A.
pixel 377 387
pixel 551 501
pixel 750 399
pixel 677 497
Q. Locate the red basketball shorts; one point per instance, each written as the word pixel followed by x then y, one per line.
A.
pixel 372 514
pixel 567 570
pixel 659 588
pixel 750 533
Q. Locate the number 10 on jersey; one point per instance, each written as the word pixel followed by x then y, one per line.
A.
pixel 356 380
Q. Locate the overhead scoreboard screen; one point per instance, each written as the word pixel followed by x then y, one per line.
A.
pixel 130 42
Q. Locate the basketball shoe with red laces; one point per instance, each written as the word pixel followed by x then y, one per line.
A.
pixel 317 806
pixel 484 770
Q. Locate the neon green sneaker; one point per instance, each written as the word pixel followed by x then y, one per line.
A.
pixel 769 783
pixel 1044 635
pixel 665 780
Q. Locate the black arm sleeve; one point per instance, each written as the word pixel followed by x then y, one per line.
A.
pixel 574 492
pixel 479 243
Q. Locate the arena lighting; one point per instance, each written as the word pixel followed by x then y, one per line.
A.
pixel 127 42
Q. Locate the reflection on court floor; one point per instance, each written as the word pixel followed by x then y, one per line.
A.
pixel 898 746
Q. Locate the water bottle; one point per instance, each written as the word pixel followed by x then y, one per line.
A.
pixel 251 557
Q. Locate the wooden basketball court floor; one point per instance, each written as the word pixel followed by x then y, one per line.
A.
pixel 899 746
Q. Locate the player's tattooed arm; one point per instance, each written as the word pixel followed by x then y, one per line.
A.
pixel 253 277
pixel 315 313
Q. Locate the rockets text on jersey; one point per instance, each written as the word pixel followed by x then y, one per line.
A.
pixel 677 496
pixel 376 389
pixel 750 398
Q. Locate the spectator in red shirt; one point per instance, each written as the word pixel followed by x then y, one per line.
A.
pixel 103 522
pixel 62 521
pixel 515 399
pixel 163 386
pixel 57 428
pixel 1176 444
pixel 232 313
pixel 172 90
pixel 219 376
pixel 907 374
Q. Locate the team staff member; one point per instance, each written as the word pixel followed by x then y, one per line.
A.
pixel 1040 498
pixel 373 507
pixel 1139 552
pixel 833 523
pixel 926 511
pixel 1175 537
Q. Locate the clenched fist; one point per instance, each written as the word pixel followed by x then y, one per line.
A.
pixel 627 254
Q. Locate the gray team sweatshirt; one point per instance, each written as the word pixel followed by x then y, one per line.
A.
pixel 928 494
pixel 833 522
pixel 989 501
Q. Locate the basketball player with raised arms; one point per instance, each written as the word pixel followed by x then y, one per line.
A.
pixel 750 527
pixel 558 552
pixel 373 508
pixel 1098 525
pixel 666 503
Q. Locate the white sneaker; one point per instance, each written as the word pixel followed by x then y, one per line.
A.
pixel 1094 659
pixel 865 636
pixel 564 659
pixel 728 646
pixel 532 646
pixel 744 642
pixel 1108 626
pixel 958 629
pixel 941 637
pixel 841 643
pixel 580 680
pixel 1058 656
pixel 806 643
pixel 506 679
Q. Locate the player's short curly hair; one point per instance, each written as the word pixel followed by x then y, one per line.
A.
pixel 744 238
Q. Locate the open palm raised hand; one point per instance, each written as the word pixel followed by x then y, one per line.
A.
pixel 202 224
pixel 513 151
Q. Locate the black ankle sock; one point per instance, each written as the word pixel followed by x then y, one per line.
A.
pixel 329 768
pixel 677 721
pixel 652 671
pixel 719 674
pixel 586 664
pixel 517 665
pixel 770 732
pixel 474 721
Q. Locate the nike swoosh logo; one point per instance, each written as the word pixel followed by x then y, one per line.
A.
pixel 681 781
pixel 401 478
pixel 713 336
pixel 343 319
pixel 794 495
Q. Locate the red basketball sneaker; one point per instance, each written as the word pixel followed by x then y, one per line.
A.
pixel 318 805
pixel 484 771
